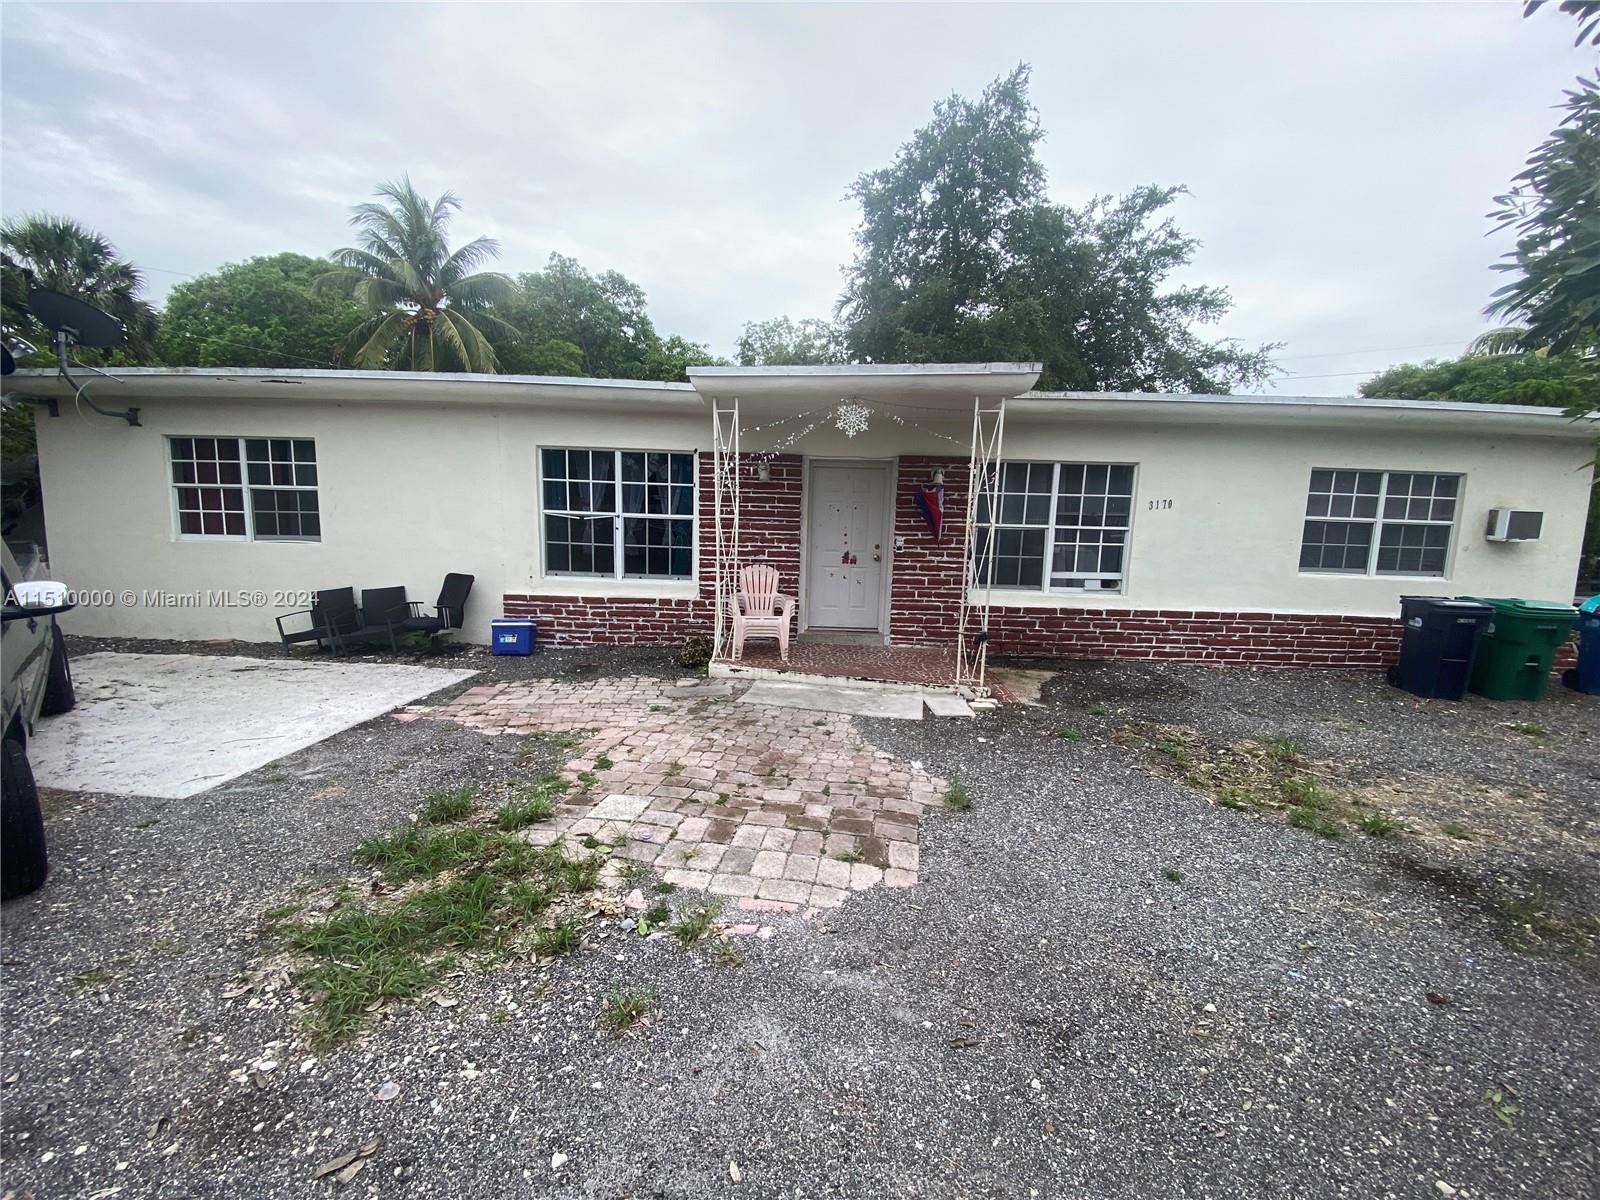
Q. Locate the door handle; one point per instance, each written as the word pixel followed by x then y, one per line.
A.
pixel 877 558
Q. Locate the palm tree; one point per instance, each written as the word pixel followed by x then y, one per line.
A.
pixel 58 253
pixel 429 305
pixel 1502 339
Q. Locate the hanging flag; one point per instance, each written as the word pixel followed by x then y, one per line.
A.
pixel 930 499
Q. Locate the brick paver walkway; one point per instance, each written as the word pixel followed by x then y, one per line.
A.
pixel 781 808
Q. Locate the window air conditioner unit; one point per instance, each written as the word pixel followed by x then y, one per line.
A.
pixel 1513 525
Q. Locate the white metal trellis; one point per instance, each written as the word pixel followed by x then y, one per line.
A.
pixel 725 508
pixel 983 480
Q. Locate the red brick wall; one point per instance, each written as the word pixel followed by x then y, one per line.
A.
pixel 769 532
pixel 925 588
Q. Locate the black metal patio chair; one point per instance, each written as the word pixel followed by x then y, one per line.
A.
pixel 333 614
pixel 448 613
pixel 383 611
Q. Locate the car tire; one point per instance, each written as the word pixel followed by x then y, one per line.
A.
pixel 24 860
pixel 58 694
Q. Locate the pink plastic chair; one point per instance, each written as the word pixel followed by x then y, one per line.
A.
pixel 760 610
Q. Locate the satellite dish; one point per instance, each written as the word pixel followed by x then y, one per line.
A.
pixel 82 324
pixel 72 322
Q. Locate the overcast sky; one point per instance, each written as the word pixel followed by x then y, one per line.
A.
pixel 1340 157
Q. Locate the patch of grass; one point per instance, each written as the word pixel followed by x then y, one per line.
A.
pixel 1528 729
pixel 173 946
pixel 519 814
pixel 852 855
pixel 629 871
pixel 587 779
pixel 1281 749
pixel 726 954
pixel 1237 798
pixel 88 980
pixel 625 1008
pixel 603 762
pixel 1303 791
pixel 1380 825
pixel 1315 820
pixel 1068 733
pixel 561 938
pixel 692 926
pixel 1538 928
pixel 659 708
pixel 273 917
pixel 1174 748
pixel 654 917
pixel 419 851
pixel 1099 710
pixel 1174 875
pixel 1455 829
pixel 957 797
pixel 665 889
pixel 722 799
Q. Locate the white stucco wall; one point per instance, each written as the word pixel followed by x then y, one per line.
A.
pixel 409 492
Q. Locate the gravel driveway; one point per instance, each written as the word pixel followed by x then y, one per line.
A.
pixel 1047 1013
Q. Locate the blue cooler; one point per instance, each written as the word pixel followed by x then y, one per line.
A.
pixel 511 635
pixel 1585 677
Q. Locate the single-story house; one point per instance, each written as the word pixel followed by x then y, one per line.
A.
pixel 1231 529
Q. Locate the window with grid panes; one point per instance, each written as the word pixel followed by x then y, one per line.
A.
pixel 618 514
pixel 1062 527
pixel 262 489
pixel 1378 522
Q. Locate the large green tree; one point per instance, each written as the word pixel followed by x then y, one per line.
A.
pixel 960 255
pixel 781 342
pixel 41 250
pixel 429 305
pixel 566 320
pixel 1548 380
pixel 1553 297
pixel 265 312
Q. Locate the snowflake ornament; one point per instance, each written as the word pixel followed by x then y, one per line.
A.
pixel 850 418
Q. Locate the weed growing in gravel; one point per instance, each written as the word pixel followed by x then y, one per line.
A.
pixel 692 926
pixel 1281 749
pixel 654 917
pixel 629 871
pixel 1099 710
pixel 1538 928
pixel 603 762
pixel 1317 821
pixel 852 855
pixel 89 980
pixel 1068 733
pixel 665 889
pixel 444 806
pixel 1504 1111
pixel 1379 824
pixel 957 797
pixel 561 938
pixel 1174 875
pixel 1528 729
pixel 722 799
pixel 519 814
pixel 1457 830
pixel 625 1008
pixel 726 954
pixel 416 851
pixel 1174 749
pixel 587 779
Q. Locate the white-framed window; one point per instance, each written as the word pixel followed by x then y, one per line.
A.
pixel 1062 527
pixel 245 489
pixel 1378 522
pixel 618 514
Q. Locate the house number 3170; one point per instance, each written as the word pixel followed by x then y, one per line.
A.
pixel 1154 504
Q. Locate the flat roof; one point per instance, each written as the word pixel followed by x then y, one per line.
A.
pixel 1276 401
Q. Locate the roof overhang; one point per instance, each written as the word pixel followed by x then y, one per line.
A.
pixel 139 385
pixel 949 388
pixel 1321 412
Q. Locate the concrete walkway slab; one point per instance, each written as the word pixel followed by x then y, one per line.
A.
pixel 836 698
pixel 172 725
pixel 946 704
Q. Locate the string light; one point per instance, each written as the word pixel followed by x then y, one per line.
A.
pixel 851 417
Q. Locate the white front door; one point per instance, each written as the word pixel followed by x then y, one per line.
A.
pixel 845 548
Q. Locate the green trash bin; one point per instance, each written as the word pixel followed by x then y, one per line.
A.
pixel 1516 654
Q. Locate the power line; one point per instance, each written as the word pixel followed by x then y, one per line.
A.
pixel 1371 350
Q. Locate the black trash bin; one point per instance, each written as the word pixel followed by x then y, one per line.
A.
pixel 1438 645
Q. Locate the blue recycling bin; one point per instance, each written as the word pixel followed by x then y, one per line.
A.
pixel 1585 677
pixel 511 635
